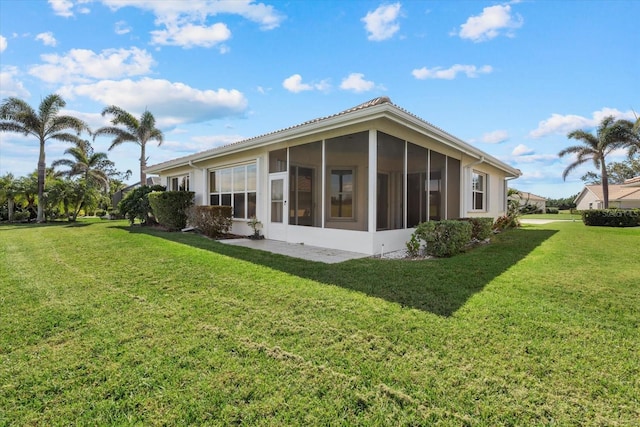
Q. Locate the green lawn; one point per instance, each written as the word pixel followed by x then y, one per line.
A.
pixel 560 215
pixel 102 324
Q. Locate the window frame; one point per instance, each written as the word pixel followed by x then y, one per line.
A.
pixel 231 194
pixel 179 181
pixel 354 186
pixel 482 191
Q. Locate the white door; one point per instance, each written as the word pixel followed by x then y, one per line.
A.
pixel 278 206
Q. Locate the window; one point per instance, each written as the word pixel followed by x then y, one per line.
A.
pixel 178 183
pixel 235 187
pixel 478 191
pixel 342 193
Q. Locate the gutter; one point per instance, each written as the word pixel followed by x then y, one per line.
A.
pixel 477 162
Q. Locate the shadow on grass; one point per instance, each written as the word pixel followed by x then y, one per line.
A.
pixel 65 224
pixel 439 286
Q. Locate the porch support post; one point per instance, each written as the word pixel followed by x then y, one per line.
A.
pixel 373 178
pixel 205 187
pixel 323 184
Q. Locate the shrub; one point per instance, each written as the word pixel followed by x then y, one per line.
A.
pixel 413 245
pixel 505 222
pixel 136 204
pixel 444 238
pixel 101 212
pixel 611 217
pixel 530 209
pixel 553 210
pixel 212 221
pixel 170 208
pixel 21 216
pixel 480 227
pixel 115 214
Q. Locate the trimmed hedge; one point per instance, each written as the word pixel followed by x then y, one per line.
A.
pixel 136 204
pixel 443 238
pixel 553 210
pixel 611 217
pixel 170 208
pixel 480 227
pixel 212 221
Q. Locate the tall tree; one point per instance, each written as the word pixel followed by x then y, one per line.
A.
pixel 88 166
pixel 45 124
pixel 618 172
pixel 139 131
pixel 8 192
pixel 610 134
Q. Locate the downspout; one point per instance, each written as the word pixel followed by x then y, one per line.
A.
pixel 506 193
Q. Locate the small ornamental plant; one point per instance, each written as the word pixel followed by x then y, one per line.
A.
pixel 256 226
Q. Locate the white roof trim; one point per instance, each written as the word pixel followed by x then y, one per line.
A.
pixel 372 110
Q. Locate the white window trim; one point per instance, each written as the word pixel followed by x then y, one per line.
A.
pixel 246 190
pixel 181 179
pixel 484 192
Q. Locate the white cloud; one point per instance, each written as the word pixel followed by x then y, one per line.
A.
pixel 355 82
pixel 122 28
pixel 451 72
pixel 521 150
pixel 217 140
pixel 493 21
pixel 171 103
pixel 563 124
pixel 62 7
pixel 190 35
pixel 3 44
pixel 47 39
pixel 94 120
pixel 9 86
pixel 495 137
pixel 183 23
pixel 382 24
pixel 294 84
pixel 82 65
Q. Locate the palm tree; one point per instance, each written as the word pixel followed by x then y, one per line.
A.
pixel 9 191
pixel 139 131
pixel 45 124
pixel 611 134
pixel 88 166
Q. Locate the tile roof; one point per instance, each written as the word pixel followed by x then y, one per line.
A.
pixel 382 100
pixel 616 192
pixel 634 180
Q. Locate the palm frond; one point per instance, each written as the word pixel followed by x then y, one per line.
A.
pixel 50 107
pixel 121 117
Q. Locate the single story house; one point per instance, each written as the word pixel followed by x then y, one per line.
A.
pixel 623 196
pixel 358 180
pixel 525 198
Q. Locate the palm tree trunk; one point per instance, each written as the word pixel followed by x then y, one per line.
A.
pixel 41 174
pixel 143 165
pixel 11 206
pixel 605 184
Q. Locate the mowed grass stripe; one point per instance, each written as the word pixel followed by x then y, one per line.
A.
pixel 110 325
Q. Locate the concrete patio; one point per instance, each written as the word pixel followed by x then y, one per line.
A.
pixel 310 253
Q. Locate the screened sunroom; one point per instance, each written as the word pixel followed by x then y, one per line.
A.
pixel 359 180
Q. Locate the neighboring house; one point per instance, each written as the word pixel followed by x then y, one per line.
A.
pixel 119 195
pixel 632 182
pixel 358 180
pixel 623 196
pixel 524 198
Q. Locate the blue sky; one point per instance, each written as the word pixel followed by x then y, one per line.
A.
pixel 512 78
